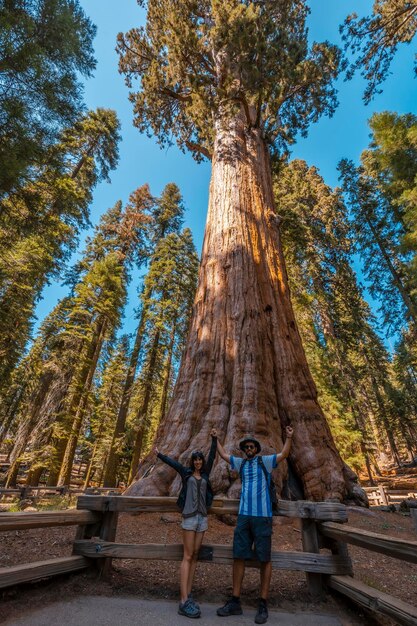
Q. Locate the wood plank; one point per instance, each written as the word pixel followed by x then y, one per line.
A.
pixel 162 504
pixel 41 569
pixel 219 554
pixel 43 519
pixel 383 494
pixel 107 533
pixel 310 540
pixel 384 544
pixel 374 600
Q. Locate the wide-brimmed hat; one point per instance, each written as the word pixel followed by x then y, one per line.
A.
pixel 251 440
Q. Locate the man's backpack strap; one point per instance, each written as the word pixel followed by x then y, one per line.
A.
pixel 271 485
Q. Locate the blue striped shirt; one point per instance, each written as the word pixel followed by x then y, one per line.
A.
pixel 254 497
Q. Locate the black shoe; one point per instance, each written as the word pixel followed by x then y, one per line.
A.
pixel 232 607
pixel 188 609
pixel 190 597
pixel 262 615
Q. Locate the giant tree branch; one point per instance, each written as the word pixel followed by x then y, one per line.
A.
pixel 196 147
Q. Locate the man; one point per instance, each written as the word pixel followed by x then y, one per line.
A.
pixel 254 522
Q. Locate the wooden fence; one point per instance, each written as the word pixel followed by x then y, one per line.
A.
pixel 381 496
pixel 323 527
pixel 25 492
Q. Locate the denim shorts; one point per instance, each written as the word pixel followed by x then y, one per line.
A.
pixel 252 531
pixel 197 522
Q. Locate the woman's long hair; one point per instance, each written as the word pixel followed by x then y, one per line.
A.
pixel 197 454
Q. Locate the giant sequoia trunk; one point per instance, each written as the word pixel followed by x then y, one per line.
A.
pixel 244 368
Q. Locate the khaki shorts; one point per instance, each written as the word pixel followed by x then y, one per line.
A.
pixel 197 522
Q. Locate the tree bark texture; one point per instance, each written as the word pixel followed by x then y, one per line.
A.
pixel 244 369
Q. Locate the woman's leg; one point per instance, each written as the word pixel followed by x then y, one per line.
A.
pixel 198 539
pixel 188 543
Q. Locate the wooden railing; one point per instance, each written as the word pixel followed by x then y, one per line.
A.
pixel 380 495
pixel 369 597
pixel 29 572
pixel 23 492
pixel 323 526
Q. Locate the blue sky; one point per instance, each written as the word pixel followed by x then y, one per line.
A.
pixel 346 134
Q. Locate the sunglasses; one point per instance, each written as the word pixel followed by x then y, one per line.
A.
pixel 249 446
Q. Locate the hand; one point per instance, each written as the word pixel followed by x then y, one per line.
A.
pixel 155 451
pixel 213 432
pixel 290 431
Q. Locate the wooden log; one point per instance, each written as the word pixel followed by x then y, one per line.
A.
pixel 218 554
pixel 127 504
pixel 43 519
pixel 310 541
pixel 384 544
pixel 41 569
pixel 375 600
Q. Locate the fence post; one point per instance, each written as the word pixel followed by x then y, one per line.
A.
pixel 310 540
pixel 383 494
pixel 107 533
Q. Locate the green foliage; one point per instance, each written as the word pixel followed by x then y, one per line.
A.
pixel 41 224
pixel 375 39
pixel 167 300
pixel 98 428
pixel 44 47
pixel 348 361
pixel 199 62
pixel 382 197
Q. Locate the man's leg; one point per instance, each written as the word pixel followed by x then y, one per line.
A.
pixel 238 573
pixel 262 528
pixel 266 571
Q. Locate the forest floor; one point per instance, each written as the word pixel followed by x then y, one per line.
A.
pixel 159 579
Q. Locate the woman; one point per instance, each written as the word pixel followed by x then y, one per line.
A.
pixel 195 498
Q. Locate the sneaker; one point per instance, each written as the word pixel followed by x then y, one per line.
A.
pixel 262 614
pixel 188 609
pixel 191 598
pixel 232 607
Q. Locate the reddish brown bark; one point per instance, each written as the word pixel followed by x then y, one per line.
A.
pixel 244 368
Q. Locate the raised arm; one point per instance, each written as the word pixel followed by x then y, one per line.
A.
pixel 212 453
pixel 287 445
pixel 171 462
pixel 220 449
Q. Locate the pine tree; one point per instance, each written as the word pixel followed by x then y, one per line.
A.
pixel 170 285
pixel 42 379
pixel 98 301
pixel 375 39
pixel 348 361
pixel 45 47
pixel 42 223
pixel 166 216
pixel 109 388
pixel 380 196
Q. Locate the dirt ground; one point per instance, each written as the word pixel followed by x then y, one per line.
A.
pixel 153 579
